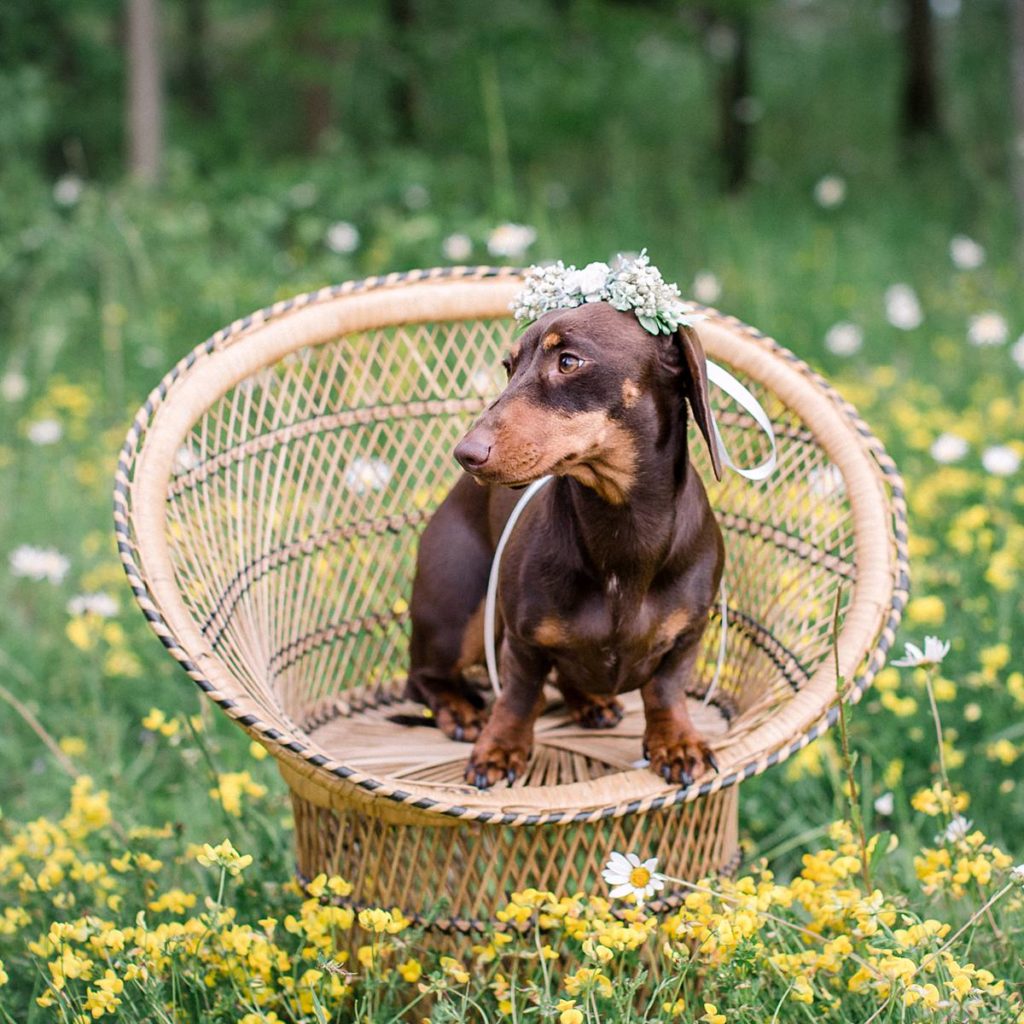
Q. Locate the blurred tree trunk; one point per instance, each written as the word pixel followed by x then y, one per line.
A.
pixel 403 91
pixel 1017 121
pixel 919 105
pixel 317 56
pixel 144 122
pixel 733 93
pixel 196 72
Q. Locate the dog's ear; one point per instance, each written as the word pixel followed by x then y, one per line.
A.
pixel 697 391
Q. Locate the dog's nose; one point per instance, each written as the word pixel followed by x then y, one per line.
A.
pixel 472 452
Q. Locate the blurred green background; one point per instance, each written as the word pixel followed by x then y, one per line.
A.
pixel 166 167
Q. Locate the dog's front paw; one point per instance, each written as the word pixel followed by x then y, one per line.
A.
pixel 459 719
pixel 678 756
pixel 491 762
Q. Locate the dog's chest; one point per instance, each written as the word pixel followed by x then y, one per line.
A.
pixel 615 638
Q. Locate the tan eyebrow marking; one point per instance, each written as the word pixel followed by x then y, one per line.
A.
pixel 630 393
pixel 550 341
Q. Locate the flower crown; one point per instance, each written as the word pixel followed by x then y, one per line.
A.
pixel 631 283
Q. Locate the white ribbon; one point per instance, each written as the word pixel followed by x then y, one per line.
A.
pixel 742 397
pixel 739 394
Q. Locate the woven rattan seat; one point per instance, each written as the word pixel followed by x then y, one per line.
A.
pixel 268 501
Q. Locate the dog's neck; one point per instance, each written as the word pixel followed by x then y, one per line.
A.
pixel 626 528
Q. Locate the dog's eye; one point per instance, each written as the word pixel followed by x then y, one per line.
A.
pixel 507 363
pixel 568 363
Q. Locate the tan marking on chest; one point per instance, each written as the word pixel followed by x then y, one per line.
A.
pixel 675 622
pixel 551 632
pixel 630 393
pixel 550 341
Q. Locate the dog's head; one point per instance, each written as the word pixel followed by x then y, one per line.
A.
pixel 589 392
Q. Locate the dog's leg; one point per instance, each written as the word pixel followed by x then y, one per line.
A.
pixel 590 711
pixel 504 746
pixel 452 566
pixel 676 750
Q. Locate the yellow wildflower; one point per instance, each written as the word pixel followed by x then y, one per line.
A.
pixel 411 971
pixel 454 970
pixel 157 721
pixel 232 786
pixel 224 855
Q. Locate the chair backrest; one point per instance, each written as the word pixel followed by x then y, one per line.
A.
pixel 275 484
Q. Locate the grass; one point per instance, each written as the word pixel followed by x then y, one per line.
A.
pixel 104 294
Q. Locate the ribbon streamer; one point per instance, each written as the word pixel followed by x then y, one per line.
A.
pixel 739 394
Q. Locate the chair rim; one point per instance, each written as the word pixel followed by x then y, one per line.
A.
pixel 467 293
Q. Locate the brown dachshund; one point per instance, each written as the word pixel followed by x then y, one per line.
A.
pixel 609 575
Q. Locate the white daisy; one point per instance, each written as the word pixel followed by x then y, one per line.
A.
pixel 706 287
pixel 947 448
pixel 485 382
pixel 965 253
pixel 185 460
pixel 844 339
pixel 13 386
pixel 367 475
pixel 830 191
pixel 511 240
pixel 988 329
pixel 42 432
pixel 885 803
pixel 955 831
pixel 1000 460
pixel 457 247
pixel 632 877
pixel 342 237
pixel 1017 352
pixel 100 604
pixel 902 307
pixel 934 651
pixel 39 563
pixel 68 190
pixel 1017 874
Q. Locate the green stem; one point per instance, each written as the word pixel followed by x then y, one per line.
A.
pixel 938 726
pixel 851 779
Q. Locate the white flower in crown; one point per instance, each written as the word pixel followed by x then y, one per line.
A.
pixel 631 284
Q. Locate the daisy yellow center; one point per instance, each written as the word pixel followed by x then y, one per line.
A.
pixel 639 877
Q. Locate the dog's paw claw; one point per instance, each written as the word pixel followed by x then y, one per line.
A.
pixel 679 760
pixel 460 721
pixel 493 764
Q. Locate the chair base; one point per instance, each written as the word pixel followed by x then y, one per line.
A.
pixel 452 875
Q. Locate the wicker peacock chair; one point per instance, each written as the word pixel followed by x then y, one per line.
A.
pixel 267 505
